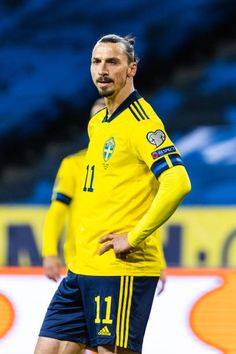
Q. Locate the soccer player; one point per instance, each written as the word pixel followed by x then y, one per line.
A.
pixel 105 300
pixel 63 208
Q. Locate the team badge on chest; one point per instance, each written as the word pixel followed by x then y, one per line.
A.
pixel 108 149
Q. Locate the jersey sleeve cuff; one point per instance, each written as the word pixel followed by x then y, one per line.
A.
pixel 132 240
pixel 60 197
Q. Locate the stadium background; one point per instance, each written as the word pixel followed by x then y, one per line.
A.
pixel 187 71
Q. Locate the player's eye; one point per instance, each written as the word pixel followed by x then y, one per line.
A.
pixel 95 61
pixel 113 61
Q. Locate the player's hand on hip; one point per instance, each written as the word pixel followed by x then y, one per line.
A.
pixel 119 243
pixel 52 266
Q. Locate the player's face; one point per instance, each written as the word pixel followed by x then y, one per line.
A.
pixel 110 69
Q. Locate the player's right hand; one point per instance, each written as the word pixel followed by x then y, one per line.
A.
pixel 52 267
pixel 119 243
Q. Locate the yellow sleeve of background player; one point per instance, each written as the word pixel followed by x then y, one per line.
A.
pixel 62 195
pixel 53 226
pixel 64 185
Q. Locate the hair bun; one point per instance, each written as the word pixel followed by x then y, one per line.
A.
pixel 130 39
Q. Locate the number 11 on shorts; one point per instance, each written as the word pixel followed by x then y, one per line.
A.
pixel 107 319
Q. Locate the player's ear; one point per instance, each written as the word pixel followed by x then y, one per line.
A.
pixel 132 69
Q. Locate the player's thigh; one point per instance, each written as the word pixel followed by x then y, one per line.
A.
pixel 117 310
pixel 100 299
pixel 56 346
pixel 65 319
pixel 111 350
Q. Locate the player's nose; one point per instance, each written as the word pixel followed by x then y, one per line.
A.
pixel 103 69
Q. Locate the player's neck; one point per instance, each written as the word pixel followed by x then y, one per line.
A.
pixel 113 103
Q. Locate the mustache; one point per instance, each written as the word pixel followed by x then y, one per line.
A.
pixel 104 79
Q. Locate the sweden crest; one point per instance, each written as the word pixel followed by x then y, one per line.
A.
pixel 108 149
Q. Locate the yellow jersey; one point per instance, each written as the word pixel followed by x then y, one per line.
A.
pixel 65 190
pixel 127 151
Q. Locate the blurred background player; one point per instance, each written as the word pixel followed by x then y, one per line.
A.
pixel 63 211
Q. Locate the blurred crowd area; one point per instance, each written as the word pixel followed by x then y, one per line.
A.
pixel 187 71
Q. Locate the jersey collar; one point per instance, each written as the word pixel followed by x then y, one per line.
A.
pixel 134 96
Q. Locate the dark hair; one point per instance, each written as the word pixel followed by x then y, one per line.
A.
pixel 128 42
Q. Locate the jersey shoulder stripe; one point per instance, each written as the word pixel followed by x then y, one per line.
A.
pixel 134 114
pixel 142 109
pixel 138 111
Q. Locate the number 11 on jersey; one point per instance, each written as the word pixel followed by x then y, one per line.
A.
pixel 89 179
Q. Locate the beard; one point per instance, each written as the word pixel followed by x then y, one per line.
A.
pixel 105 92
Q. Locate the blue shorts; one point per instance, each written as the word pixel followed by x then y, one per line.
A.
pixel 100 310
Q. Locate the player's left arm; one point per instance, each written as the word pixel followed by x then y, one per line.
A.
pixel 174 186
pixel 153 146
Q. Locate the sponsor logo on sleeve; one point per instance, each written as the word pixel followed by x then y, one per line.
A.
pixel 156 138
pixel 160 152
